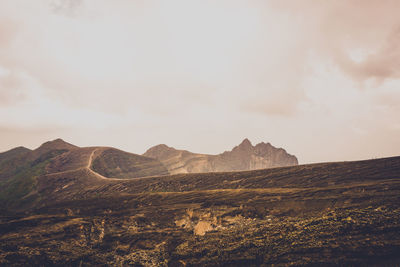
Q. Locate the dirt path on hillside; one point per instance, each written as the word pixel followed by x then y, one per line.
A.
pixel 88 167
pixel 98 175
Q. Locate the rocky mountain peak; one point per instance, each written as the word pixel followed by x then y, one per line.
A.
pixel 263 147
pixel 245 145
pixel 244 156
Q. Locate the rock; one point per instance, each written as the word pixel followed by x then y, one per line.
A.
pixel 202 227
pixel 243 157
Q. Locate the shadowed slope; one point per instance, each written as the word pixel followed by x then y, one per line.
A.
pixel 57 210
pixel 11 160
pixel 343 213
pixel 336 174
pixel 19 173
pixel 111 162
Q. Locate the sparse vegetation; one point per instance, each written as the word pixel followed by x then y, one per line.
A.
pixel 15 190
pixel 321 214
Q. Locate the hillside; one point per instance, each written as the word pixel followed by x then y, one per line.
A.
pixel 242 157
pixel 15 152
pixel 119 164
pixel 341 214
pixel 11 160
pixel 21 168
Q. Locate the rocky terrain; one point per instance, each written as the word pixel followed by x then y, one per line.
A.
pixel 242 157
pixel 60 209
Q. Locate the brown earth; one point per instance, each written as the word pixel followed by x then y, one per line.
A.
pixel 328 214
pixel 21 169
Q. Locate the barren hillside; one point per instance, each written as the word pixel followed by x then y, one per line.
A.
pixel 343 213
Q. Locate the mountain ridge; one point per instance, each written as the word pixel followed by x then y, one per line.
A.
pixel 23 172
pixel 242 157
pixel 338 213
pixel 61 209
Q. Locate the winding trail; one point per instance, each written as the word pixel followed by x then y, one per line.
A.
pixel 98 175
pixel 88 168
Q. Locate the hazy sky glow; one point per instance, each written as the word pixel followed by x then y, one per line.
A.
pixel 319 78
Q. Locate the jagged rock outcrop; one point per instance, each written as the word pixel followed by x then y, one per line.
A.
pixel 242 157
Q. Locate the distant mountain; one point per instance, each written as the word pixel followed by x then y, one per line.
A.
pixel 242 157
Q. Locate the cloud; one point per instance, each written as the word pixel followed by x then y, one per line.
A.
pixel 171 69
pixel 254 54
pixel 359 36
pixel 8 28
pixel 67 7
pixel 145 52
pixel 382 64
pixel 11 90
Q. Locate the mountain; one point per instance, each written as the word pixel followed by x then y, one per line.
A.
pixel 11 160
pixel 329 214
pixel 242 157
pixel 112 162
pixel 15 152
pixel 54 145
pixel 63 205
pixel 14 160
pixel 25 173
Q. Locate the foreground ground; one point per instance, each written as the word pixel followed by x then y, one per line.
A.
pixel 315 215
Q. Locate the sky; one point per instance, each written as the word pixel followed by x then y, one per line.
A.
pixel 318 78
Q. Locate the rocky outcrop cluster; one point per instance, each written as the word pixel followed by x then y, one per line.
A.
pixel 242 157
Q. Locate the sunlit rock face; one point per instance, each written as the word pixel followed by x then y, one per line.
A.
pixel 245 156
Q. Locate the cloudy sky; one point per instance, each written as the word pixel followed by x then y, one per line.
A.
pixel 319 78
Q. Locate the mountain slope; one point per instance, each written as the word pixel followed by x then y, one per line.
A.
pixel 12 153
pixel 112 162
pixel 20 169
pixel 328 214
pixel 242 157
pixel 11 160
pixel 19 173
